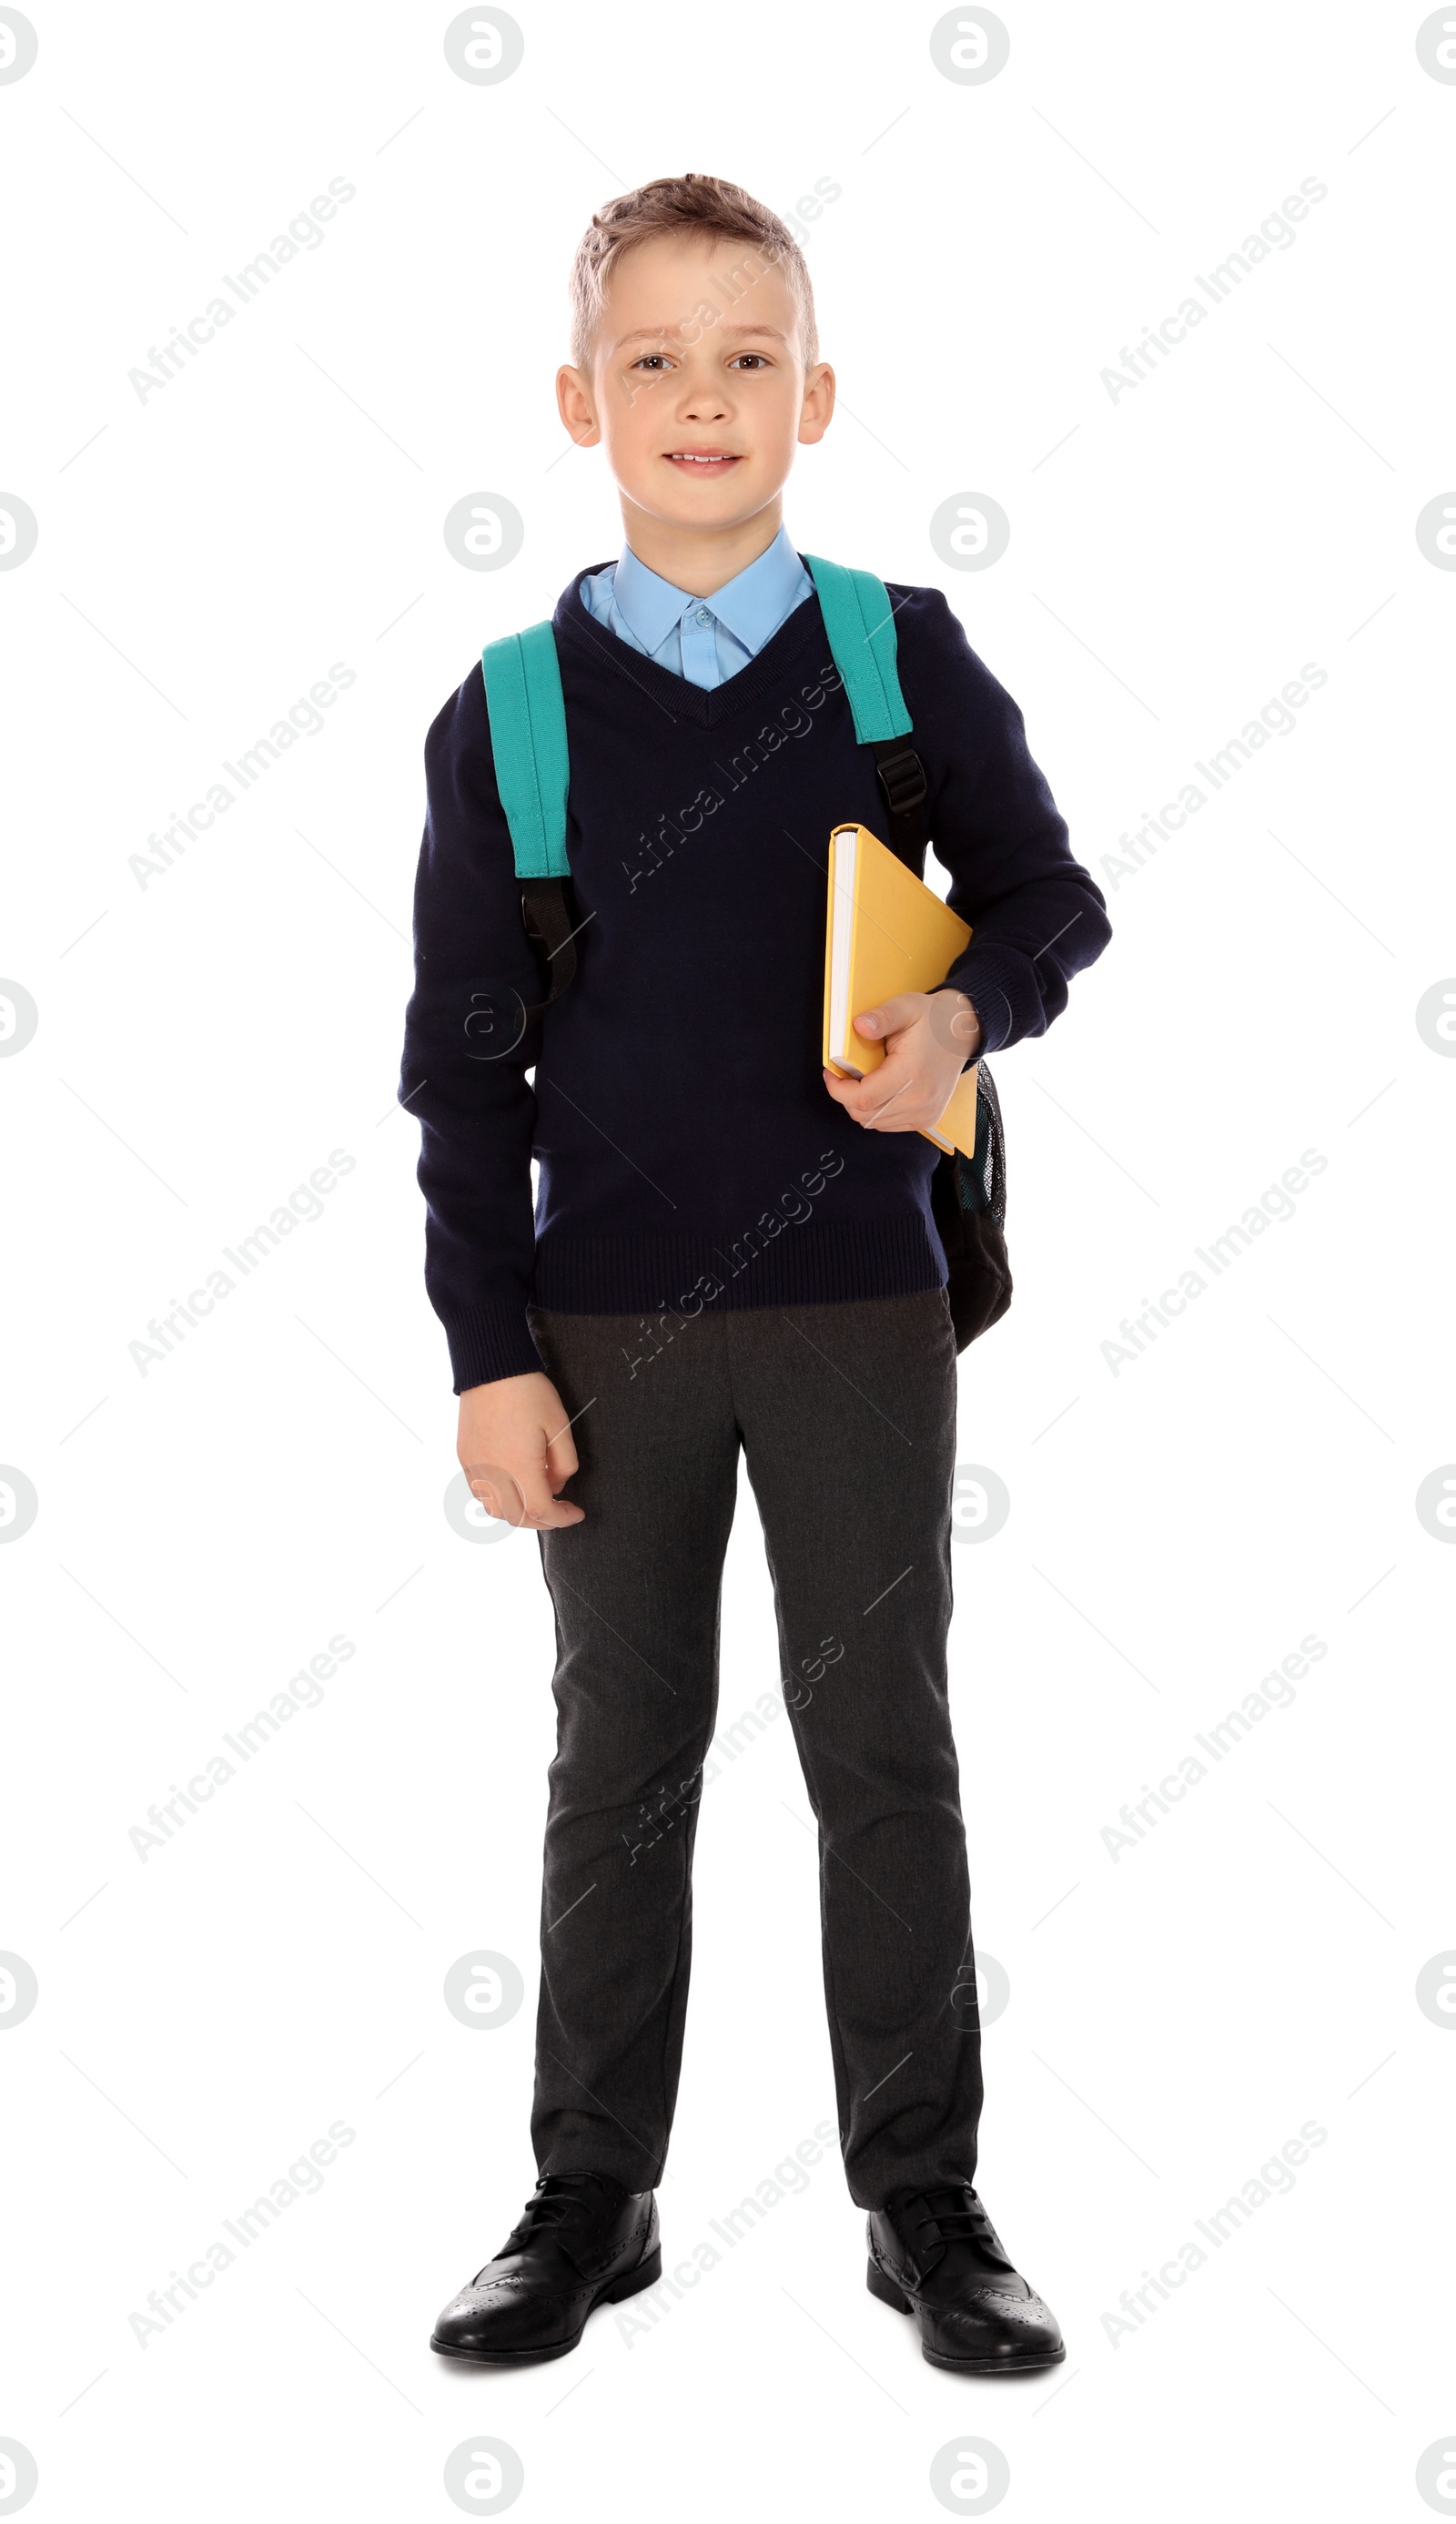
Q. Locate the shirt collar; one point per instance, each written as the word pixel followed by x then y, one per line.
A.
pixel 650 605
pixel 752 606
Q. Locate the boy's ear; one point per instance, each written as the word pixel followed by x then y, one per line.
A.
pixel 575 405
pixel 818 410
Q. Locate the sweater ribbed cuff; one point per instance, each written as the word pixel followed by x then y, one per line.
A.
pixel 997 986
pixel 489 1342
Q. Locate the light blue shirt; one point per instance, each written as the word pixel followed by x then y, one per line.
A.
pixel 705 639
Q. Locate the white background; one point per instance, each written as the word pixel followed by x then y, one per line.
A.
pixel 205 1039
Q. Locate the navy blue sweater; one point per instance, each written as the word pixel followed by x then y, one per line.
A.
pixel 689 1152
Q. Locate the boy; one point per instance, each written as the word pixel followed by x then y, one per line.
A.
pixel 699 1166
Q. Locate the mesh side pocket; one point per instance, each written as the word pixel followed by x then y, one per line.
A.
pixel 983 1183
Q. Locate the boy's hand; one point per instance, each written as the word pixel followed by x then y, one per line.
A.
pixel 516 1450
pixel 929 1035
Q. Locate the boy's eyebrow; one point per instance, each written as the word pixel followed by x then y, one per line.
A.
pixel 662 332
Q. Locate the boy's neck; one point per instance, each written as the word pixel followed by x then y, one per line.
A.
pixel 700 560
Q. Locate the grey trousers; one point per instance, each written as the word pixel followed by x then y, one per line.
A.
pixel 846 1417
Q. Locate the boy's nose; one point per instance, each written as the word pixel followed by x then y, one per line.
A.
pixel 705 402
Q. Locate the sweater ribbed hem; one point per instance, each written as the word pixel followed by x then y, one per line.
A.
pixel 489 1342
pixel 820 1262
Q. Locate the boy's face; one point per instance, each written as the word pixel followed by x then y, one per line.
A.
pixel 698 389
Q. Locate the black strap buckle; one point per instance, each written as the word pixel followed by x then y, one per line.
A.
pixel 903 779
pixel 902 785
pixel 546 904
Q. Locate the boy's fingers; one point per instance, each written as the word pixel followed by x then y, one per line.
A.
pixel 519 1498
pixel 865 1095
pixel 889 1016
pixel 562 1459
pixel 556 1512
pixel 542 1508
pixel 890 1088
pixel 498 1491
pixel 890 1099
pixel 861 1101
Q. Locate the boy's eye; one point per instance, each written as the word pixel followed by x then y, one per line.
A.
pixel 651 360
pixel 749 360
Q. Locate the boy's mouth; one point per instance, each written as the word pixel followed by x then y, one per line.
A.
pixel 702 460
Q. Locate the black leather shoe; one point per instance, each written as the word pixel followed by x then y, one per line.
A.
pixel 936 2254
pixel 583 2241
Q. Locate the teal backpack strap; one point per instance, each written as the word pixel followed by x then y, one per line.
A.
pixel 528 740
pixel 859 621
pixel 860 624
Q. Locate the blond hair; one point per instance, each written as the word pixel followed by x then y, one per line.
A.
pixel 660 209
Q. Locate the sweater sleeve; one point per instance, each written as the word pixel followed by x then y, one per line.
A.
pixel 1036 915
pixel 468 1049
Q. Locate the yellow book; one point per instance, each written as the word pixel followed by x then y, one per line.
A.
pixel 888 932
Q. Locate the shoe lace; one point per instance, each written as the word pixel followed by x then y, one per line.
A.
pixel 557 2200
pixel 955 2217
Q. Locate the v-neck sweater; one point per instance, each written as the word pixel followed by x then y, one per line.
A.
pixel 689 1154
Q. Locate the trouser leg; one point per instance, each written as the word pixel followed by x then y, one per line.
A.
pixel 636 1589
pixel 848 1415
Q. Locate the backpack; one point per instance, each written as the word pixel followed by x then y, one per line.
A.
pixel 528 739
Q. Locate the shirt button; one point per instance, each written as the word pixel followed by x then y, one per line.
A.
pixel 701 618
